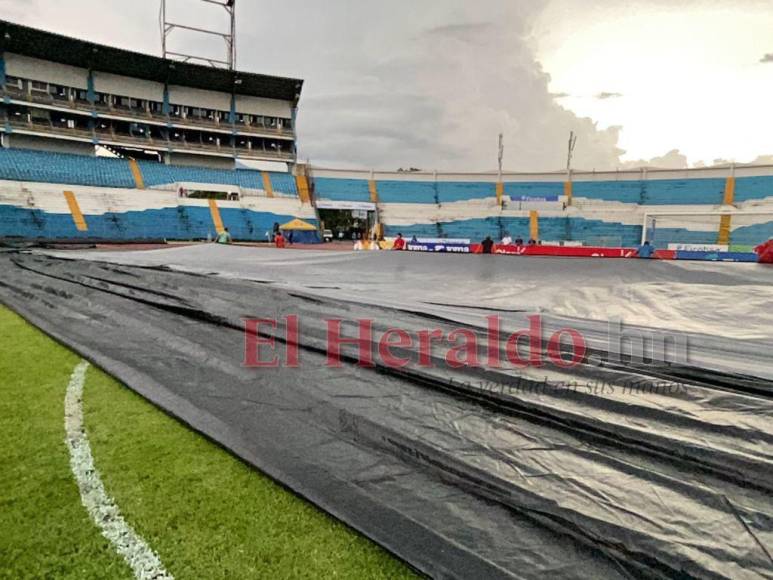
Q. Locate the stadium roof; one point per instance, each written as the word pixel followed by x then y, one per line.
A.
pixel 53 47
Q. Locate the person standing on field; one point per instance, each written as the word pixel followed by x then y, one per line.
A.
pixel 224 237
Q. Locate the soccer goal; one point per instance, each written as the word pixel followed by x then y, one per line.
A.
pixel 720 230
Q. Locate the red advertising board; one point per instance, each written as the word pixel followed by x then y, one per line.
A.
pixel 566 251
pixel 571 251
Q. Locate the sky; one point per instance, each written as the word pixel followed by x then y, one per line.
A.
pixel 431 83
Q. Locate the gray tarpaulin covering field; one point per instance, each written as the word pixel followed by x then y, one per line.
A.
pixel 462 472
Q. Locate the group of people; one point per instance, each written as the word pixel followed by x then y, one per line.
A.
pixel 277 237
pixel 400 243
pixel 646 250
pixel 508 241
pixel 488 243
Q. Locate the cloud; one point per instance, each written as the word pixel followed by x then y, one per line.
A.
pixel 447 84
pixel 560 95
pixel 603 96
pixel 463 31
pixel 403 83
pixel 674 159
pixel 767 58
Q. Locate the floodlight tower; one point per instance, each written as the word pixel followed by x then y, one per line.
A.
pixel 570 153
pixel 501 154
pixel 167 27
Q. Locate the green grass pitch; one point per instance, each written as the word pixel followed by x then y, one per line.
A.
pixel 204 512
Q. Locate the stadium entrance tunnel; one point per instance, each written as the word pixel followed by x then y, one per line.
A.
pixel 462 472
pixel 348 224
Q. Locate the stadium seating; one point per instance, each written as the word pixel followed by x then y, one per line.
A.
pixel 590 232
pixel 692 191
pixel 603 212
pixel 180 223
pixel 753 188
pixel 654 192
pixel 66 168
pixel 341 189
pixel 155 174
pixel 70 169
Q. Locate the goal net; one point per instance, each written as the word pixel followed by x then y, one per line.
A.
pixel 737 231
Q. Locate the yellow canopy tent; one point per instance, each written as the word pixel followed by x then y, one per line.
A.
pixel 298 224
pixel 298 231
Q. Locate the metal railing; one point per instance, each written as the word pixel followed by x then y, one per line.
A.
pixel 145 115
pixel 110 135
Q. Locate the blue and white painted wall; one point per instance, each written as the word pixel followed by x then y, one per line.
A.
pixel 63 196
pixel 43 211
pixel 121 200
pixel 594 208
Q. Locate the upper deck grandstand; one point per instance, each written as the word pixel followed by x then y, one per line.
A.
pixel 65 94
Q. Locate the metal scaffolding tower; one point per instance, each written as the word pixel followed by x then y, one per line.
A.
pixel 168 27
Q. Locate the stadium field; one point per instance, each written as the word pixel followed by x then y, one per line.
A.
pixel 205 513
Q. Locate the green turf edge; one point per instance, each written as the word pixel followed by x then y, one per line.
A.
pixel 45 532
pixel 206 513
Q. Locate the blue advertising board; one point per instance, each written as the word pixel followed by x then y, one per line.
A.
pixel 716 256
pixel 438 247
pixel 534 198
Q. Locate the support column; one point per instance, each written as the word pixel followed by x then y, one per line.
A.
pixel 378 229
pixel 139 182
pixel 729 197
pixel 214 211
pixel 75 211
pixel 267 185
pixel 232 112
pixel 304 192
pixel 534 225
pixel 568 189
pixel 91 97
pixel 726 220
pixel 165 108
pixel 91 93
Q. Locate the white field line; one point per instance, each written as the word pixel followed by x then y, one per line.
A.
pixel 145 564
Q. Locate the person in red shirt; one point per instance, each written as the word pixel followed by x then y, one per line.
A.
pixel 765 252
pixel 399 243
pixel 279 240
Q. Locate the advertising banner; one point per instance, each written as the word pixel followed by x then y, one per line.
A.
pixel 435 247
pixel 527 198
pixel 346 205
pixel 577 252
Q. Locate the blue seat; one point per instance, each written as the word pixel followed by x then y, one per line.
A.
pixel 66 168
pixel 161 174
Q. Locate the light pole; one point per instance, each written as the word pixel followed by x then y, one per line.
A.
pixel 167 27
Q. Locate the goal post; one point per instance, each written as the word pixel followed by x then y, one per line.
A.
pixel 730 228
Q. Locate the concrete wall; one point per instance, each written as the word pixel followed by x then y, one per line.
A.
pixel 42 211
pixel 49 144
pixel 594 208
pixel 604 208
pixel 193 160
pixel 45 71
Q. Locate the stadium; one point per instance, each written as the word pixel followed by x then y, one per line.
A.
pixel 593 399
